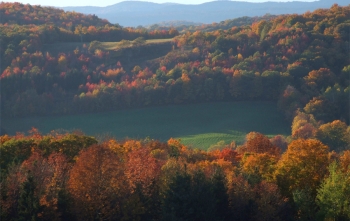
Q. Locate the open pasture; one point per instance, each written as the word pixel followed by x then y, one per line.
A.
pixel 197 125
pixel 109 46
pixel 112 46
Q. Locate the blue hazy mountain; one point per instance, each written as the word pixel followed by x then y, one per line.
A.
pixel 134 13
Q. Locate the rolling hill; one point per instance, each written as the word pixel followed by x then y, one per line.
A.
pixel 135 13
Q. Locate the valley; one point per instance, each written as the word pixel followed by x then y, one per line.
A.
pixel 197 125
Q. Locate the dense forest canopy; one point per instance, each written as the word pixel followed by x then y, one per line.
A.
pixel 25 14
pixel 59 63
pixel 299 61
pixel 72 177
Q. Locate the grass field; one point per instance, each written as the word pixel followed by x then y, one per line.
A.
pixel 197 125
pixel 70 46
pixel 115 45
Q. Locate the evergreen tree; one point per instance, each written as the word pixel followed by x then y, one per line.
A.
pixel 176 203
pixel 64 204
pixel 195 197
pixel 219 189
pixel 203 198
pixel 28 203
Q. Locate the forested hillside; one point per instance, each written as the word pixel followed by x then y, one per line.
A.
pixel 299 61
pixel 36 26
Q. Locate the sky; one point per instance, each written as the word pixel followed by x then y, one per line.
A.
pixel 62 3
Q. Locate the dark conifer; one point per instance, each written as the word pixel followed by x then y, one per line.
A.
pixel 28 203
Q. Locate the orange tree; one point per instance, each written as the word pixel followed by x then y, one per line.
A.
pixel 97 184
pixel 302 166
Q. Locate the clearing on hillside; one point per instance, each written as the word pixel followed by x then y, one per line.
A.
pixel 109 46
pixel 197 125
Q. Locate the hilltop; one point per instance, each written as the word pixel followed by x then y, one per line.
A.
pixel 26 14
pixel 135 13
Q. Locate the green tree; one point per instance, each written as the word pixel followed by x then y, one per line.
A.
pixel 304 204
pixel 333 197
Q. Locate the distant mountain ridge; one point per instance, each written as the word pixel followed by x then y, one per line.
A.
pixel 134 13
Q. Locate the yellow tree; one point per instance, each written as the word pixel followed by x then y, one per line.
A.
pixel 302 166
pixel 62 62
pixel 345 161
pixel 321 78
pixel 260 157
pixel 335 134
pixel 259 166
pixel 303 126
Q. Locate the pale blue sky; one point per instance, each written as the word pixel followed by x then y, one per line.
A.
pixel 62 3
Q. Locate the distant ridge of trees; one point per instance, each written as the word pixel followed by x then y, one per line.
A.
pixel 184 26
pixel 135 13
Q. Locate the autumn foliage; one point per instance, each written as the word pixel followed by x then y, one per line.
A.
pixel 296 61
pixel 148 179
pixel 95 181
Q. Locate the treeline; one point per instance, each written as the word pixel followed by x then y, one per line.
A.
pixel 46 25
pixel 73 177
pixel 26 14
pixel 184 26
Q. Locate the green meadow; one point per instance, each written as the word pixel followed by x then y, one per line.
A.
pixel 197 125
